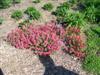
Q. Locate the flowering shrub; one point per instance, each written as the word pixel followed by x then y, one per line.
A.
pixel 42 40
pixel 74 42
pixel 18 38
pixel 45 39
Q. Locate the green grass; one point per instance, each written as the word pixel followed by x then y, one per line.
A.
pixel 73 19
pixel 33 13
pixel 61 10
pixel 17 14
pixel 48 6
pixel 92 60
pixel 92 64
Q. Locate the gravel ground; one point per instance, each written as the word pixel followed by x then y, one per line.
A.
pixel 23 62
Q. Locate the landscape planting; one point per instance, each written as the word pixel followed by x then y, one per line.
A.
pixel 63 36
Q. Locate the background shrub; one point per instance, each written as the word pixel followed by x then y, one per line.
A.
pixel 61 10
pixel 16 1
pixel 72 19
pixel 5 3
pixel 17 14
pixel 33 13
pixel 48 6
pixel 36 1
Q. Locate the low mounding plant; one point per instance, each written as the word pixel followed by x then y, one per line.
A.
pixel 1 20
pixel 5 3
pixel 74 42
pixel 48 6
pixel 45 39
pixel 36 1
pixel 90 13
pixel 72 19
pixel 17 14
pixel 61 10
pixel 33 13
pixel 91 10
pixel 41 40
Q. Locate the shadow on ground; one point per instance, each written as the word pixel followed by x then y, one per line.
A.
pixel 52 69
pixel 1 73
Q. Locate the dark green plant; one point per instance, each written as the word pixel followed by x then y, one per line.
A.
pixel 1 20
pixel 73 19
pixel 48 6
pixel 33 13
pixel 5 3
pixel 61 10
pixel 73 2
pixel 90 13
pixel 17 14
pixel 36 1
pixel 16 1
pixel 91 10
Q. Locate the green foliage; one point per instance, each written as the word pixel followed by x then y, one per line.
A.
pixel 48 6
pixel 5 3
pixel 90 2
pixel 33 13
pixel 17 14
pixel 73 19
pixel 16 1
pixel 90 13
pixel 91 10
pixel 36 1
pixel 61 10
pixel 92 60
pixel 1 20
pixel 92 64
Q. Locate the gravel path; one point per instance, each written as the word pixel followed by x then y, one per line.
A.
pixel 23 62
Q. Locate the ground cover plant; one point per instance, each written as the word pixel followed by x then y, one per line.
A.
pixel 36 1
pixel 65 16
pixel 72 19
pixel 17 14
pixel 61 10
pixel 48 6
pixel 46 39
pixel 33 13
pixel 42 40
pixel 73 41
pixel 93 49
pixel 5 3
